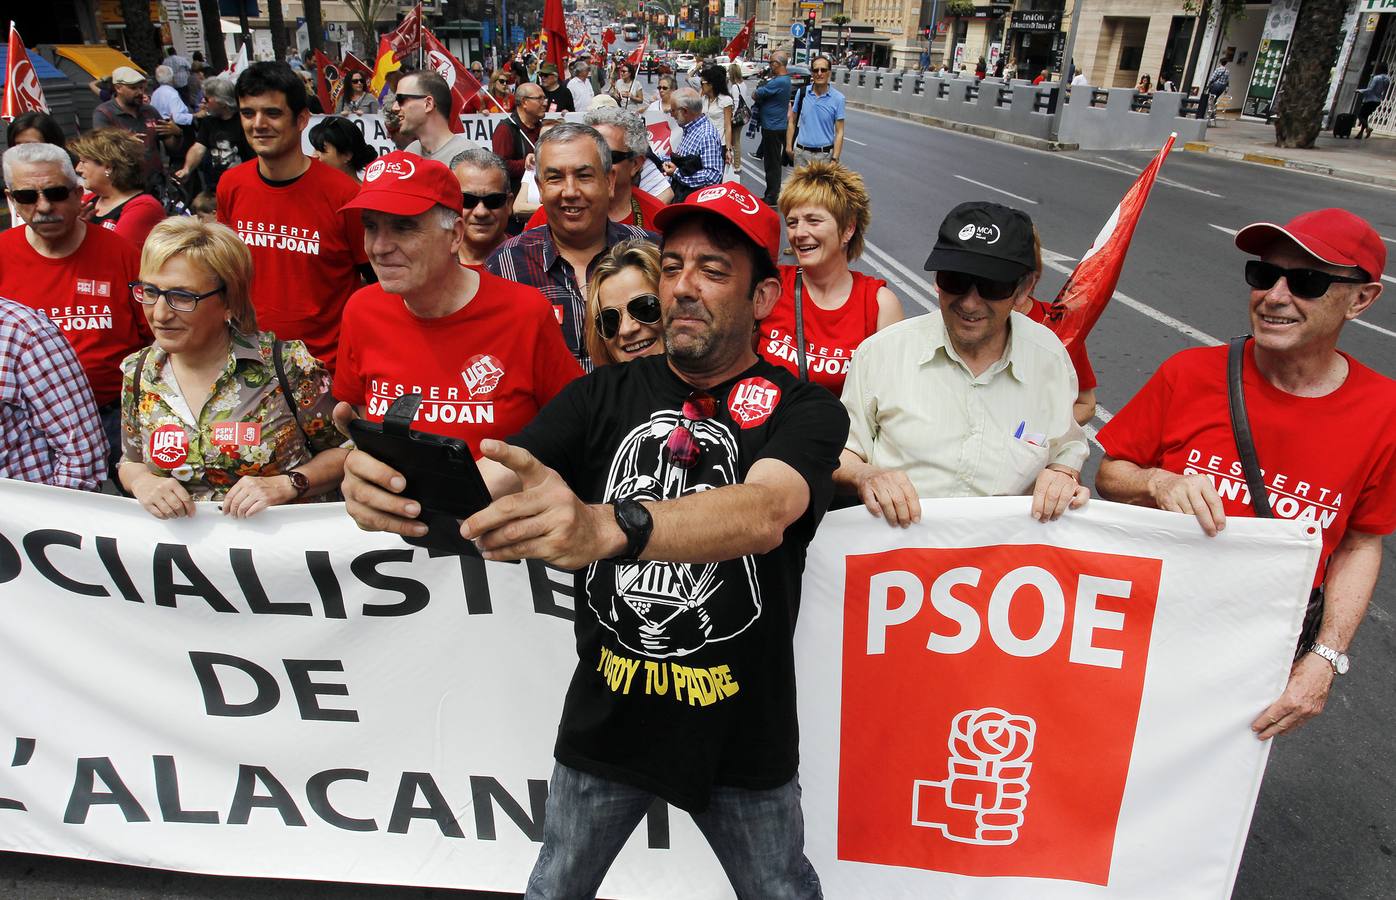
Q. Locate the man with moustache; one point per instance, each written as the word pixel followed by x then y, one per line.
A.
pixel 487 204
pixel 575 179
pixel 684 489
pixel 307 255
pixel 73 272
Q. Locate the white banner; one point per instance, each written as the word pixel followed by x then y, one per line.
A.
pixel 1065 704
pixel 479 128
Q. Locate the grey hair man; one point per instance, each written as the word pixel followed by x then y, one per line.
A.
pixel 166 99
pixel 772 100
pixel 625 134
pixel 218 134
pixel 700 157
pixel 580 86
pixel 487 203
pixel 575 181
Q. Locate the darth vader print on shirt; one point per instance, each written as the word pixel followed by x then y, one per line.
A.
pixel 661 609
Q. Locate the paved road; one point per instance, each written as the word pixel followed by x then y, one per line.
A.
pixel 1325 825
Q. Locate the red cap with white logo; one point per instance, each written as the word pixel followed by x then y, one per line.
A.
pixel 734 203
pixel 1334 236
pixel 405 184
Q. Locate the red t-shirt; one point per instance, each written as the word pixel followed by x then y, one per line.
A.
pixel 85 294
pixel 1075 351
pixel 483 372
pixel 132 219
pixel 649 205
pixel 1330 460
pixel 831 335
pixel 304 250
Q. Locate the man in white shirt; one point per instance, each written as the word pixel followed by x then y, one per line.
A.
pixel 1079 79
pixel 973 400
pixel 580 86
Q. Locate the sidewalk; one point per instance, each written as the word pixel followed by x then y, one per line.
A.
pixel 1370 161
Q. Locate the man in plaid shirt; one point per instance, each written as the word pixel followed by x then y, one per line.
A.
pixel 575 181
pixel 701 140
pixel 49 428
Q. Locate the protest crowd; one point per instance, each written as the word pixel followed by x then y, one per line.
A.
pixel 649 363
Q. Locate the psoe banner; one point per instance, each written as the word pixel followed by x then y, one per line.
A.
pixel 1061 706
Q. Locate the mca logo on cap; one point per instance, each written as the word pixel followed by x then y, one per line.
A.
pixel 402 167
pixel 986 233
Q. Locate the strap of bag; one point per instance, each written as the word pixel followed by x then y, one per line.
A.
pixel 286 390
pixel 800 323
pixel 1241 427
pixel 800 105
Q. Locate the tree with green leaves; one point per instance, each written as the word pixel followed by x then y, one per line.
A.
pixel 367 15
pixel 1314 46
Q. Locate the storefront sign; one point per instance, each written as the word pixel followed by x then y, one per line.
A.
pixel 1377 6
pixel 1036 20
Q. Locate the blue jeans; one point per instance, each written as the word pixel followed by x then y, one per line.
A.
pixel 758 837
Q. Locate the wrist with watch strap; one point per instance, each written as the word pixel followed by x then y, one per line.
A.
pixel 299 482
pixel 636 524
pixel 1336 658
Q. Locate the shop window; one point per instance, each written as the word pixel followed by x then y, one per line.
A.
pixel 1130 58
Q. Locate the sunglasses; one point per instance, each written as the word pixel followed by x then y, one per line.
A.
pixel 400 99
pixel 491 201
pixel 1306 284
pixel 819 71
pixel 988 288
pixel 28 197
pixel 178 300
pixel 620 156
pixel 643 309
pixel 682 449
pixel 356 81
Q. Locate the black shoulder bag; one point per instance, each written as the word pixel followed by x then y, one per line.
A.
pixel 1255 481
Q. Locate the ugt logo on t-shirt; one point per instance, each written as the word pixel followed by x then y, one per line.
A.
pixel 482 374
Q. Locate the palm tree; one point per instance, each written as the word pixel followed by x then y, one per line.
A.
pixel 367 14
pixel 1314 51
pixel 140 35
pixel 314 24
pixel 213 35
pixel 277 23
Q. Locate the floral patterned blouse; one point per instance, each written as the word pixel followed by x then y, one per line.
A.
pixel 246 426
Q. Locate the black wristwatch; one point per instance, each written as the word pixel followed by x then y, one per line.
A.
pixel 637 523
pixel 299 482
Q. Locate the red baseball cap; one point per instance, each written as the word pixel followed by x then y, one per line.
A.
pixel 734 203
pixel 1334 236
pixel 405 184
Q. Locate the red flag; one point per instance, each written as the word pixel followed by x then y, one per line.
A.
pixel 328 81
pixel 739 41
pixel 608 37
pixel 638 54
pixel 1082 299
pixel 22 91
pixel 555 28
pixel 406 38
pixel 352 63
pixel 463 84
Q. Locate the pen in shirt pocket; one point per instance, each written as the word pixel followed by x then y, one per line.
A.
pixel 1030 437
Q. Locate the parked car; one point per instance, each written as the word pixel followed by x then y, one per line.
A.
pixel 751 67
pixel 684 62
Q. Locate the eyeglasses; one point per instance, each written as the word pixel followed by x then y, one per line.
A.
pixel 821 70
pixel 682 449
pixel 643 309
pixel 620 156
pixel 491 201
pixel 30 196
pixel 178 300
pixel 1306 284
pixel 400 99
pixel 663 88
pixel 988 288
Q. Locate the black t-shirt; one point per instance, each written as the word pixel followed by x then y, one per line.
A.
pixel 686 673
pixel 226 145
pixel 560 99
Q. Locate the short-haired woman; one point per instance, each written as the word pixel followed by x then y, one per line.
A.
pixel 111 162
pixel 355 99
pixel 215 409
pixel 623 304
pixel 341 146
pixel 827 213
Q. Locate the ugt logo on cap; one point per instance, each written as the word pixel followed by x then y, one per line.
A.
pixel 402 168
pixel 745 202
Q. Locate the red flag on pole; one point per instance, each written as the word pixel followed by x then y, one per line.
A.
pixel 608 37
pixel 352 64
pixel 1082 299
pixel 555 29
pixel 406 38
pixel 637 55
pixel 740 40
pixel 22 91
pixel 463 84
pixel 327 81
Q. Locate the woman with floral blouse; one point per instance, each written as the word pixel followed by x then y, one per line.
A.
pixel 205 413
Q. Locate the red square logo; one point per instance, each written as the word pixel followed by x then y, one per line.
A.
pixel 990 698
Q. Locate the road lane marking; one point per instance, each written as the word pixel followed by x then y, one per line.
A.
pixel 888 265
pixel 1139 306
pixel 1384 331
pixel 852 141
pixel 990 187
pixel 1104 415
pixel 1161 179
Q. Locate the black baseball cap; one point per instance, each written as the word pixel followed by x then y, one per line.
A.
pixel 985 239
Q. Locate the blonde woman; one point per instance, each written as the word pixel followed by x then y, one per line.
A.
pixel 623 305
pixel 111 162
pixel 827 212
pixel 215 409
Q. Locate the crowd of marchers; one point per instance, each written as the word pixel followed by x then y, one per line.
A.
pixel 654 398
